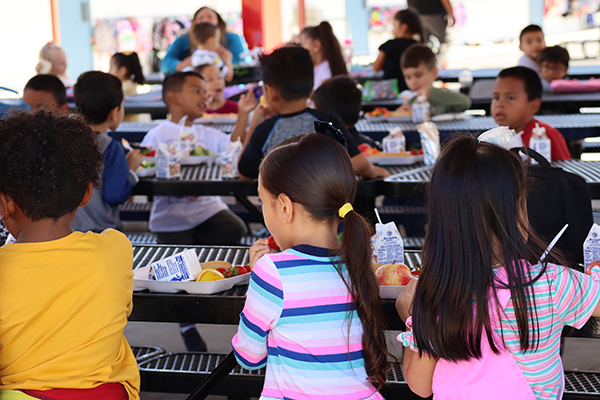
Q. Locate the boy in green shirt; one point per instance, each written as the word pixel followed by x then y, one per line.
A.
pixel 418 65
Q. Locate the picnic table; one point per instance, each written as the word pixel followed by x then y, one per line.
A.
pixel 564 103
pixel 575 72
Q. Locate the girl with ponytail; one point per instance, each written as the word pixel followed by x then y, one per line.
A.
pixel 325 51
pixel 407 27
pixel 315 306
pixel 126 66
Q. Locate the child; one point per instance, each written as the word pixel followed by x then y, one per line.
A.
pixel 46 92
pixel 288 81
pixel 53 61
pixel 554 63
pixel 203 220
pixel 326 340
pixel 342 97
pixel 325 52
pixel 126 66
pixel 516 99
pixel 418 65
pixel 215 86
pixel 99 98
pixel 209 50
pixel 532 42
pixel 67 294
pixel 407 24
pixel 487 317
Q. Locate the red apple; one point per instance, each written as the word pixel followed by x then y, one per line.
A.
pixel 393 275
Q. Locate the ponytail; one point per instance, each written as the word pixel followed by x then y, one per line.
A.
pixel 131 62
pixel 316 172
pixel 330 47
pixel 412 19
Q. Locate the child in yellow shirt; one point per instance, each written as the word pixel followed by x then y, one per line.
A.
pixel 66 295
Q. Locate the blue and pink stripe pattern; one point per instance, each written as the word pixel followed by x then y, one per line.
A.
pixel 301 322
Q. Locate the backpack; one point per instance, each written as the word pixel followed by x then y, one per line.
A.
pixel 554 198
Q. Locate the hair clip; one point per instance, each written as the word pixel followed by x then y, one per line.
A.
pixel 327 129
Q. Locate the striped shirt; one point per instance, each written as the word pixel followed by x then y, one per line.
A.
pixel 301 322
pixel 562 297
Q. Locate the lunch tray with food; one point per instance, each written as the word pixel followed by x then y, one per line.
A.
pixel 230 118
pixel 405 158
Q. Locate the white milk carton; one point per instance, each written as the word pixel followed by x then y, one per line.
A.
pixel 187 140
pixel 179 267
pixel 591 246
pixel 395 142
pixel 390 247
pixel 540 142
pixel 168 161
pixel 229 159
pixel 421 109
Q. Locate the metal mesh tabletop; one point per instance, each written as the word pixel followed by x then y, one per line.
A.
pixel 145 353
pixel 577 382
pixel 580 72
pixel 146 255
pixel 137 126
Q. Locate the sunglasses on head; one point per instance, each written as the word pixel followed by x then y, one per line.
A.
pixel 327 129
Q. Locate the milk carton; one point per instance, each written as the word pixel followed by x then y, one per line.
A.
pixel 389 244
pixel 395 142
pixel 168 161
pixel 187 140
pixel 179 267
pixel 420 109
pixel 540 142
pixel 229 159
pixel 591 246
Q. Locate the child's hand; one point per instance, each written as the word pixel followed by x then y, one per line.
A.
pixel 405 300
pixel 134 159
pixel 404 108
pixel 246 103
pixel 259 249
pixel 225 55
pixel 261 113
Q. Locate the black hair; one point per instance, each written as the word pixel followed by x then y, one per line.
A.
pixel 57 157
pixel 96 94
pixel 316 172
pixel 175 81
pixel 204 31
pixel 49 83
pixel 331 49
pixel 412 19
pixel 131 62
pixel 556 54
pixel 221 25
pixel 341 96
pixel 530 29
pixel 476 204
pixel 290 71
pixel 530 78
pixel 416 55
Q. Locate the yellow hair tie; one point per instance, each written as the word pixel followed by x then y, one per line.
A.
pixel 345 209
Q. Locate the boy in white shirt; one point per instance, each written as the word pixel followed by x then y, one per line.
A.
pixel 209 50
pixel 532 43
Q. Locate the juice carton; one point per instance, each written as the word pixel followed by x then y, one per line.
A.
pixel 389 244
pixel 179 267
pixel 540 142
pixel 395 142
pixel 168 161
pixel 591 246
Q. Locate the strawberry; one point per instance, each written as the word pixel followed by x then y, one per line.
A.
pixel 272 243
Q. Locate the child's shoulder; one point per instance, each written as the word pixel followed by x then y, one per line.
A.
pixel 110 237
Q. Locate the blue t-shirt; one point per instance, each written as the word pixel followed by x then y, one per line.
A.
pixel 180 49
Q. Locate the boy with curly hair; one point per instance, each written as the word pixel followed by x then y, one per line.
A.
pixel 66 295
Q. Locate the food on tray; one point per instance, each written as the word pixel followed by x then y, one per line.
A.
pixel 235 271
pixel 209 274
pixel 215 265
pixel 367 150
pixel 227 115
pixel 147 164
pixel 403 154
pixel 148 152
pixel 393 275
pixel 384 112
pixel 272 243
pixel 200 151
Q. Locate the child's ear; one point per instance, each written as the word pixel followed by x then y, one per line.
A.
pixel 271 93
pixel 64 108
pixel 7 206
pixel 172 98
pixel 87 196
pixel 112 115
pixel 286 207
pixel 435 72
pixel 535 105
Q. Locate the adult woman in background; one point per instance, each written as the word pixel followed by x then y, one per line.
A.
pixel 179 53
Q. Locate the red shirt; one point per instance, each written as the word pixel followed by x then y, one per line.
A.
pixel 558 145
pixel 230 106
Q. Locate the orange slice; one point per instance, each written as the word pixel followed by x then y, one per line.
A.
pixel 209 274
pixel 263 101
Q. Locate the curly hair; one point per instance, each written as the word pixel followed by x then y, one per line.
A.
pixel 47 161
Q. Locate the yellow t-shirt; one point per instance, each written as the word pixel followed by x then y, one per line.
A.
pixel 63 307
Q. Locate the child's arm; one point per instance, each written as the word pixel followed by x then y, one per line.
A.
pixel 363 167
pixel 227 59
pixel 248 162
pixel 118 180
pixel 174 59
pixel 418 372
pixel 378 63
pixel 246 104
pixel 263 307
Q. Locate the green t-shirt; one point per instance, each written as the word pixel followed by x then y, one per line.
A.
pixel 445 101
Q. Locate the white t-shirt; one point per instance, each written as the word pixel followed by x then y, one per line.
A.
pixel 177 214
pixel 202 57
pixel 322 73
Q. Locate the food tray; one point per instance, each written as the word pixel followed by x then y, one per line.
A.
pixel 141 282
pixel 450 117
pixel 390 118
pixel 397 160
pixel 197 160
pixel 390 292
pixel 217 119
pixel 145 172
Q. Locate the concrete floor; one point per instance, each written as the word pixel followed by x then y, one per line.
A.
pixel 579 354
